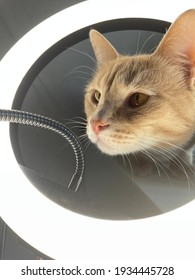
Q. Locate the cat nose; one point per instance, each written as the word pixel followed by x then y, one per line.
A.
pixel 98 125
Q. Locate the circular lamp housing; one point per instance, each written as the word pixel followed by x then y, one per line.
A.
pixel 30 213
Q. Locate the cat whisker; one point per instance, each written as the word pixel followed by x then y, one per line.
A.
pixel 86 79
pixel 175 159
pixel 85 66
pixel 123 159
pixel 136 159
pixel 78 69
pixel 157 152
pixel 169 144
pixel 180 163
pixel 158 164
pixel 83 125
pixel 83 136
pixel 131 167
pixel 82 121
pixel 81 118
pixel 146 41
pixel 153 49
pixel 144 151
pixel 86 143
pixel 163 167
pixel 80 72
pixel 138 43
pixel 81 67
pixel 71 121
pixel 78 126
pixel 85 54
pixel 175 155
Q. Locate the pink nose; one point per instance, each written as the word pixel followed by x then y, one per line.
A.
pixel 98 125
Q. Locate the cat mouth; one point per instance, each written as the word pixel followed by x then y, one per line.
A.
pixel 113 148
pixel 108 147
pixel 102 144
pixel 104 147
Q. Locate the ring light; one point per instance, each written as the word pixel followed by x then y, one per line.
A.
pixel 56 231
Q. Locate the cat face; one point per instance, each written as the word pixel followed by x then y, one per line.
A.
pixel 137 103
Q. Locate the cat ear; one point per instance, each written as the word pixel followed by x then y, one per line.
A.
pixel 103 50
pixel 178 44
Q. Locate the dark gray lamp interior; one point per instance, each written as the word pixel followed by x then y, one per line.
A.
pixel 54 87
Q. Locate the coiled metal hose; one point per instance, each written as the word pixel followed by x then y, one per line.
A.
pixel 21 117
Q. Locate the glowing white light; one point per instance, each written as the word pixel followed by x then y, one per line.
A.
pixel 48 227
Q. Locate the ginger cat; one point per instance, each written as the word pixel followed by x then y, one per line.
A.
pixel 145 104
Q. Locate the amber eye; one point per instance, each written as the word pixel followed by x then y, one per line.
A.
pixel 137 99
pixel 96 96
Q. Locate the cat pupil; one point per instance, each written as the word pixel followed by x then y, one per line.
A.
pixel 137 99
pixel 96 97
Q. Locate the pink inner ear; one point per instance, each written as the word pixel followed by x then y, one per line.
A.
pixel 193 76
pixel 103 49
pixel 178 44
pixel 191 57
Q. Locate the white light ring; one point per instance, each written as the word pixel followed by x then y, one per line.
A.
pixel 58 232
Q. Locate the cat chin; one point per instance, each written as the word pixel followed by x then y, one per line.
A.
pixel 104 148
pixel 113 150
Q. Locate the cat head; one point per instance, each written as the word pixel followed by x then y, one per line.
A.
pixel 143 102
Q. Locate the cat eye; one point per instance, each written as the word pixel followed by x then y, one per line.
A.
pixel 137 99
pixel 96 96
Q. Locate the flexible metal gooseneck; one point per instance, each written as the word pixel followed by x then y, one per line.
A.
pixel 21 117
